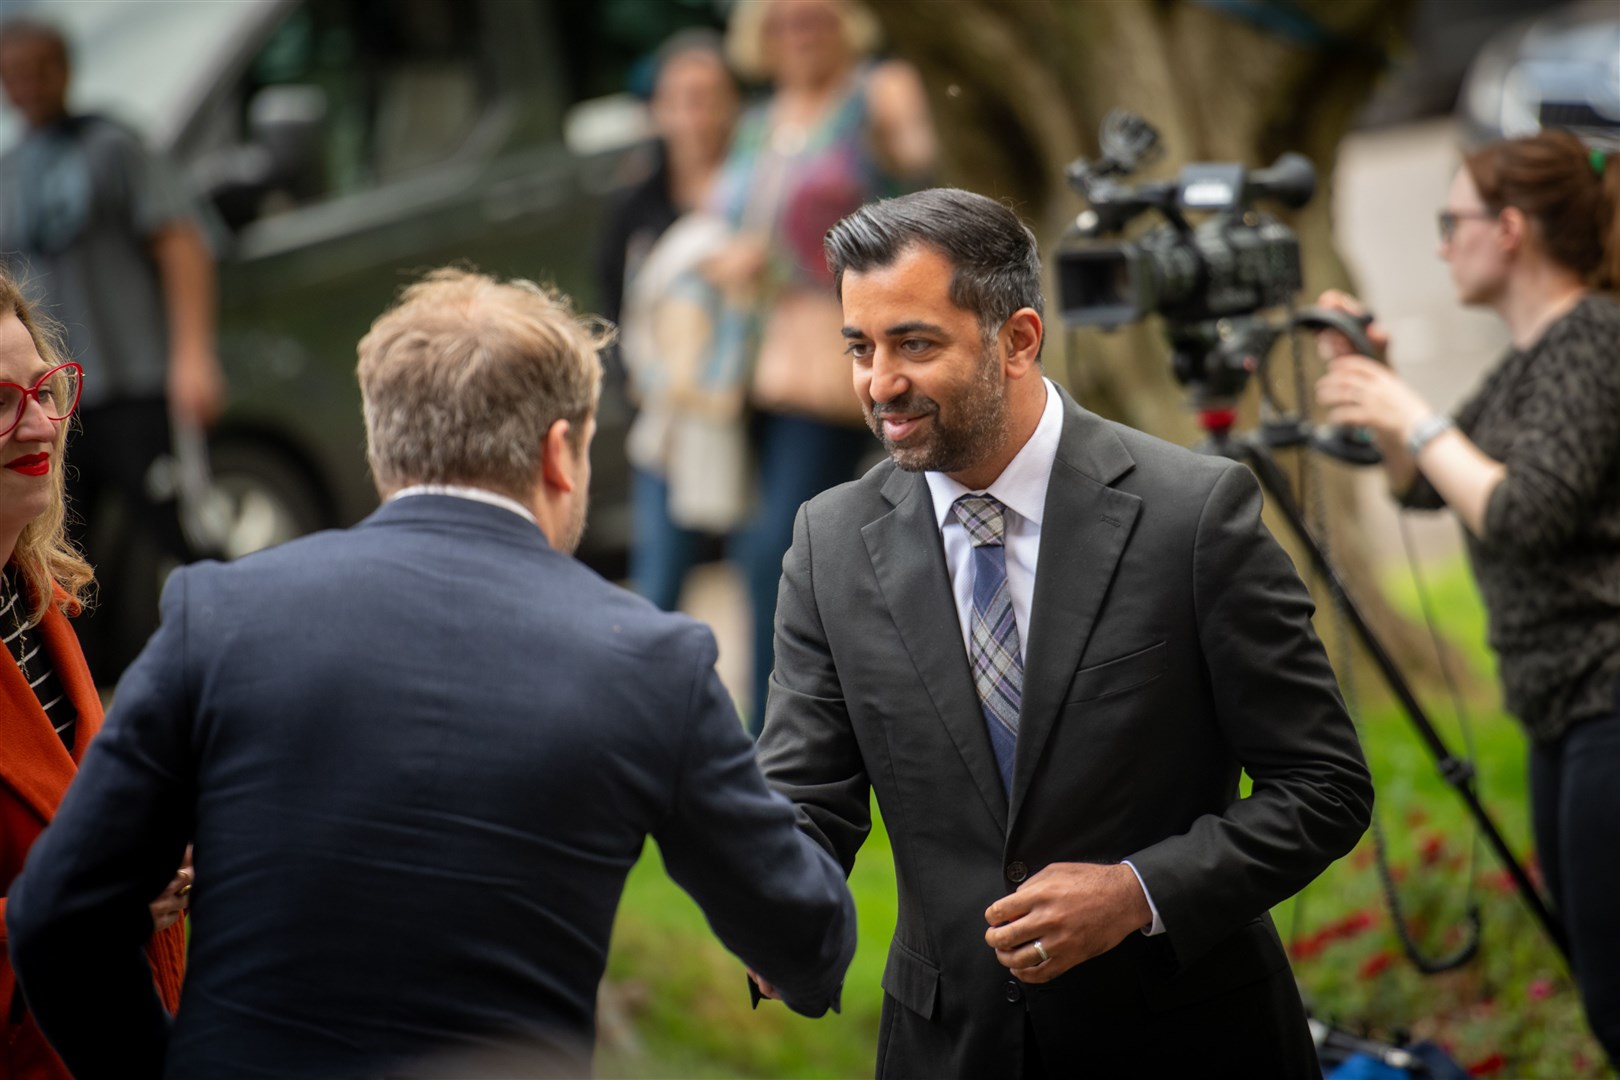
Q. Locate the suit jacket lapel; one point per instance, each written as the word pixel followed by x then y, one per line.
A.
pixel 1084 529
pixel 35 764
pixel 909 561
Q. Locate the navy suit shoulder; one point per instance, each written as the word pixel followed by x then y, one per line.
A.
pixel 418 758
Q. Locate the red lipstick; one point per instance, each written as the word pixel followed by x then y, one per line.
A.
pixel 31 464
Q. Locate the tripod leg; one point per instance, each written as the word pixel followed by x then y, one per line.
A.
pixel 1454 770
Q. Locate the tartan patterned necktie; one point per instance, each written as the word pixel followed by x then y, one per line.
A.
pixel 998 667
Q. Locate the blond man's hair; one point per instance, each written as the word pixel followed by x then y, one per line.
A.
pixel 44 556
pixel 463 377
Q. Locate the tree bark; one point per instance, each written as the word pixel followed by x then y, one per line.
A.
pixel 1018 89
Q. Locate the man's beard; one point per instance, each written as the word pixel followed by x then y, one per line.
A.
pixel 977 427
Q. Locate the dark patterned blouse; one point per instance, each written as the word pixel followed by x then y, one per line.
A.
pixel 27 648
pixel 1549 562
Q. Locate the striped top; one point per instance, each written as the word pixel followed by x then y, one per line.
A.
pixel 27 649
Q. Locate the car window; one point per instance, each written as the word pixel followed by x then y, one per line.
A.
pixel 345 96
pixel 612 42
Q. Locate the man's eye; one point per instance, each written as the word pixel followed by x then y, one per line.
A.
pixel 860 350
pixel 915 345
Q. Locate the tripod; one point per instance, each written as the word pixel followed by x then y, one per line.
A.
pixel 1254 450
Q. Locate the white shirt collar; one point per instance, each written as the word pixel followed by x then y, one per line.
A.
pixel 1021 487
pixel 474 494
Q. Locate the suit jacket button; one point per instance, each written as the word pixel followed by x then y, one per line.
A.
pixel 1016 872
pixel 1015 993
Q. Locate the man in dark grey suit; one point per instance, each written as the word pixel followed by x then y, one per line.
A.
pixel 418 758
pixel 1050 644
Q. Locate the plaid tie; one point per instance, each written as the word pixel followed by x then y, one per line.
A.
pixel 998 669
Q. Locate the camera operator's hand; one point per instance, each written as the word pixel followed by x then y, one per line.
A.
pixel 1330 344
pixel 1360 392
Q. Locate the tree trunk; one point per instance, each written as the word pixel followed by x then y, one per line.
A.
pixel 1018 89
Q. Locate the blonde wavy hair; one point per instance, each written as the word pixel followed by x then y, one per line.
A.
pixel 745 33
pixel 44 556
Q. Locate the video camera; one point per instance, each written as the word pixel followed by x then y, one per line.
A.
pixel 1211 282
pixel 1235 263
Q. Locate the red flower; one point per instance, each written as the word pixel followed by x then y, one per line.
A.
pixel 1432 848
pixel 1308 946
pixel 1416 816
pixel 1539 989
pixel 1355 923
pixel 1488 1066
pixel 1375 965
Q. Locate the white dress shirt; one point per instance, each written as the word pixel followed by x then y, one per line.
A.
pixel 474 494
pixel 1021 488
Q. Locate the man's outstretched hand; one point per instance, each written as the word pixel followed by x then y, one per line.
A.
pixel 765 988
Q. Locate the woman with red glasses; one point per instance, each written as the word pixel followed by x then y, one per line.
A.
pixel 1531 464
pixel 49 708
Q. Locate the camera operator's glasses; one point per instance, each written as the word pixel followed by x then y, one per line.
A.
pixel 1448 220
pixel 57 392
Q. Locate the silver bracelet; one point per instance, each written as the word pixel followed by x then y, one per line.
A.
pixel 1425 431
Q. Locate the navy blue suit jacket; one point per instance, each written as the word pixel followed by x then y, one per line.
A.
pixel 418 758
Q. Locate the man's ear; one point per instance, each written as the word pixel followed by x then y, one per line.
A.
pixel 1021 341
pixel 557 457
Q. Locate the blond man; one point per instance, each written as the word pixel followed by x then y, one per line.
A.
pixel 418 758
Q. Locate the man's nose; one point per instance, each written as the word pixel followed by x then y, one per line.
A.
pixel 888 380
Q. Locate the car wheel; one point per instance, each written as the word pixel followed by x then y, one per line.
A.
pixel 263 498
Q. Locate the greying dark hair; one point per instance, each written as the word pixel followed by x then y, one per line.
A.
pixel 995 266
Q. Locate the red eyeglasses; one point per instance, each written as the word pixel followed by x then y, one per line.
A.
pixel 57 392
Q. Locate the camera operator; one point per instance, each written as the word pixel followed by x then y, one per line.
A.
pixel 1531 464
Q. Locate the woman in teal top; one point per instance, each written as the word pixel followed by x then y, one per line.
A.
pixel 836 132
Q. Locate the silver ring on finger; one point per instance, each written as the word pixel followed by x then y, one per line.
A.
pixel 1040 951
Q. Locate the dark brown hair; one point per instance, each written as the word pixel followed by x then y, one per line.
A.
pixel 995 266
pixel 1570 191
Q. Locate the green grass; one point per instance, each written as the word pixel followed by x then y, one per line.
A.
pixel 682 1004
pixel 677 1005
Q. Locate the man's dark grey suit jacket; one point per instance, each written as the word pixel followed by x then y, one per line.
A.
pixel 418 757
pixel 1170 648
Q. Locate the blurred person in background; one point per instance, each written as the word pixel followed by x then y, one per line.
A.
pixel 419 757
pixel 837 131
pixel 1531 466
pixel 104 238
pixel 694 106
pixel 49 708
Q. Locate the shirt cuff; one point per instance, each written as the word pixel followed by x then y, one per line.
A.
pixel 1157 926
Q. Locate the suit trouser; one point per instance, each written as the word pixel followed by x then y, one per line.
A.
pixel 1575 812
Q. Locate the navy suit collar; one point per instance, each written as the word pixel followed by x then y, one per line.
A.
pixel 456 512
